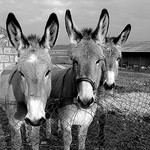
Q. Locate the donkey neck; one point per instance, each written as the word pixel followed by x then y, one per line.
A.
pixel 63 84
pixel 69 89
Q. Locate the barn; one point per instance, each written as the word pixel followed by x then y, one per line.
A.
pixel 136 55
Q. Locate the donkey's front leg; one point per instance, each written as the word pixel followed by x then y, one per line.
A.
pixel 82 136
pixel 35 138
pixel 67 137
pixel 16 141
pixel 48 128
pixel 32 137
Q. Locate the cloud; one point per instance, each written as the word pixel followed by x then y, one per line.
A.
pixel 55 3
pixel 33 14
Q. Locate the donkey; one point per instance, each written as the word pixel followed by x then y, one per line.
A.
pixel 76 87
pixel 112 52
pixel 26 86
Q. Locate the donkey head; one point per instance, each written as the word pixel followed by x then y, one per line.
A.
pixel 87 56
pixel 34 66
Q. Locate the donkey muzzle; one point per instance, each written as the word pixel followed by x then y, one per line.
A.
pixel 87 80
pixel 109 87
pixel 84 103
pixel 86 92
pixel 35 122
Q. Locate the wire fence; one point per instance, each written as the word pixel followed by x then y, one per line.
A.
pixel 121 122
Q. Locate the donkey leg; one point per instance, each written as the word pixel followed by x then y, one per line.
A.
pixel 53 126
pixel 16 140
pixel 67 137
pixel 25 134
pixel 33 136
pixel 48 128
pixel 82 136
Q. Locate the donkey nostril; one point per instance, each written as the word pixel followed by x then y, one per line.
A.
pixel 35 123
pixel 91 101
pixel 47 116
pixel 113 85
pixel 86 103
pixel 41 121
pixel 78 99
pixel 109 87
pixel 27 121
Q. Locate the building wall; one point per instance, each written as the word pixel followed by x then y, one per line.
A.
pixel 140 59
pixel 8 54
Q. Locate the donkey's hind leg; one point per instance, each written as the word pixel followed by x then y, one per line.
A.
pixel 16 141
pixel 82 136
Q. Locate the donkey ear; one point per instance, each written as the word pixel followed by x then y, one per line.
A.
pixel 122 38
pixel 73 32
pixel 16 37
pixel 51 32
pixel 101 30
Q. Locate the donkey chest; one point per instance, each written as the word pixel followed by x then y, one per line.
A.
pixel 72 115
pixel 82 117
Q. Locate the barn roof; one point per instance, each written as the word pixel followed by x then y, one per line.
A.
pixel 137 46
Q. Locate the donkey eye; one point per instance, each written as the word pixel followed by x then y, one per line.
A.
pixel 118 59
pixel 21 74
pixel 98 61
pixel 75 62
pixel 47 73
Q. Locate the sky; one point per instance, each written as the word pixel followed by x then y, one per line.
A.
pixel 33 15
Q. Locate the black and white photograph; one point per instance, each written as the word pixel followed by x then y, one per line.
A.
pixel 74 75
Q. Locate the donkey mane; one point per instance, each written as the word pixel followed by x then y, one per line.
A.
pixel 33 38
pixel 34 41
pixel 110 50
pixel 86 32
pixel 112 39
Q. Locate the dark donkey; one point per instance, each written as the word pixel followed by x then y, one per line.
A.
pixel 113 54
pixel 76 87
pixel 26 86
